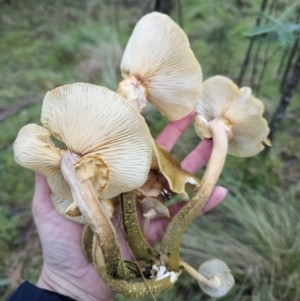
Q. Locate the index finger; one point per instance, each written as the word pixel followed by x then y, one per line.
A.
pixel 173 130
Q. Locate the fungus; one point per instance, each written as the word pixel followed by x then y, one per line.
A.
pixel 96 124
pixel 226 113
pixel 137 242
pixel 236 111
pixel 213 277
pixel 232 117
pixel 217 278
pixel 163 163
pixel 160 67
pixel 137 289
pixel 104 136
pixel 170 168
pixel 153 208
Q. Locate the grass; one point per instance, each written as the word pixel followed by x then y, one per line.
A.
pixel 261 245
pixel 53 43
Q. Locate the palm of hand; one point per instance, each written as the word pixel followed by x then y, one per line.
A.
pixel 61 243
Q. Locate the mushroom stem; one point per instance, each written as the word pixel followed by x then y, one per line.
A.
pixel 172 237
pixel 219 129
pixel 87 238
pixel 84 194
pixel 133 234
pixel 137 289
pixel 199 277
pixel 134 91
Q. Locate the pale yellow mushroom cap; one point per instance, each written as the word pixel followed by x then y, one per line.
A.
pixel 159 55
pixel 34 150
pixel 220 97
pixel 91 119
pixel 62 204
pixel 218 273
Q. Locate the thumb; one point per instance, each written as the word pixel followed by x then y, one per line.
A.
pixel 42 196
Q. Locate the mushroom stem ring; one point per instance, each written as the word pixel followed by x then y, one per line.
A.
pixel 134 91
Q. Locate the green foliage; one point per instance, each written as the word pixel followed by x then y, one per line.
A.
pixel 260 244
pixel 7 228
pixel 280 29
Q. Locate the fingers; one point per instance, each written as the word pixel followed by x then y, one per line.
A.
pixel 172 132
pixel 197 158
pixel 159 226
pixel 217 196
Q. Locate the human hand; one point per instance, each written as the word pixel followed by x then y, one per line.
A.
pixel 65 269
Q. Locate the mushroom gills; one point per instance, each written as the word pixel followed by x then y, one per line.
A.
pixel 160 67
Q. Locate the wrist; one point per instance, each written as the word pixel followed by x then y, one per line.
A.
pixel 66 285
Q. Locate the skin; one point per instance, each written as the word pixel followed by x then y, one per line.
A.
pixel 65 269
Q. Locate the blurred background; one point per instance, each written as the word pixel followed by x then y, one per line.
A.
pixel 45 44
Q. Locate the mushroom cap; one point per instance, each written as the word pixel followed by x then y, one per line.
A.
pixel 218 270
pixel 34 150
pixel 221 97
pixel 153 208
pixel 92 120
pixel 170 168
pixel 61 205
pixel 158 54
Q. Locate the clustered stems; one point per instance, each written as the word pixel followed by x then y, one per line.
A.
pixel 172 237
pixel 84 194
pixel 130 289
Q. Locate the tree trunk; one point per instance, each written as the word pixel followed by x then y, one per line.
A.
pixel 249 50
pixel 288 65
pixel 163 6
pixel 286 97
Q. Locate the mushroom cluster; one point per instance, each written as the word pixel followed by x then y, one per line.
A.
pixel 110 157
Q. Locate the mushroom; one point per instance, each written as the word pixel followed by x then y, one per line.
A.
pixel 90 120
pixel 213 277
pixel 104 136
pixel 217 280
pixel 153 208
pixel 160 67
pixel 170 168
pixel 233 118
pixel 178 179
pixel 236 111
